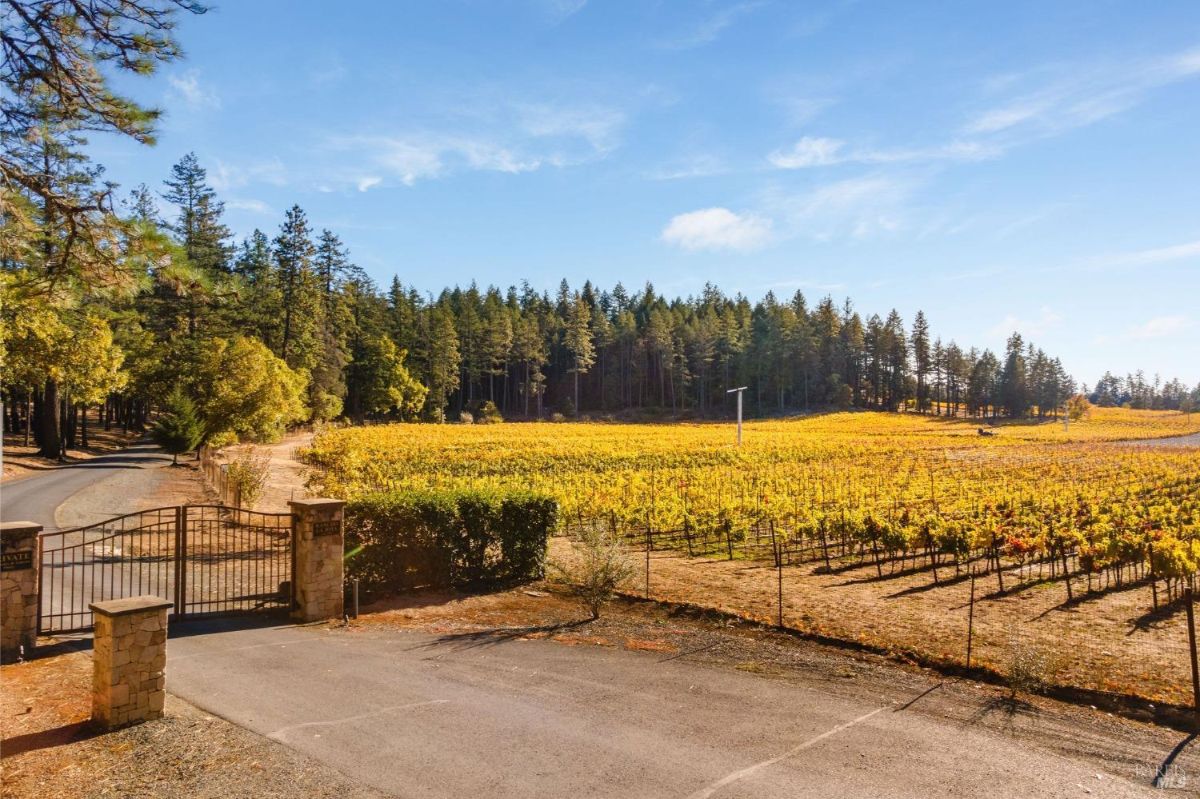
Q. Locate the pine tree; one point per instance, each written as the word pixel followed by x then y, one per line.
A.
pixel 442 369
pixel 922 359
pixel 198 227
pixel 578 341
pixel 293 257
pixel 178 429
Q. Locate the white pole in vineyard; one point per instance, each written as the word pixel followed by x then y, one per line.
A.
pixel 738 391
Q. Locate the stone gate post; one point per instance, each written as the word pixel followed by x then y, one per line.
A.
pixel 19 585
pixel 129 657
pixel 317 574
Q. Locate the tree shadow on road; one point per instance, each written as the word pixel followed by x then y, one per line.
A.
pixel 500 635
pixel 1009 708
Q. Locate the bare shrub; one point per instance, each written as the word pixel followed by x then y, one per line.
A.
pixel 1031 668
pixel 248 473
pixel 598 567
pixel 465 417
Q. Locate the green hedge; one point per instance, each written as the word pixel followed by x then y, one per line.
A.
pixel 399 540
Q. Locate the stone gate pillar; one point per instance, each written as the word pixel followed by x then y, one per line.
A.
pixel 129 656
pixel 317 574
pixel 19 585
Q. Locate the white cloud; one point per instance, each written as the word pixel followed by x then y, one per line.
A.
pixel 701 166
pixel 229 176
pixel 1156 255
pixel 1046 319
pixel 717 229
pixel 191 92
pixel 813 151
pixel 1161 327
pixel 857 207
pixel 1077 95
pixel 809 151
pixel 424 156
pixel 523 139
pixel 708 29
pixel 559 10
pixel 598 126
pixel 251 205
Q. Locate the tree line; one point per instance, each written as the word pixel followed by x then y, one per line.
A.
pixel 1137 392
pixel 136 304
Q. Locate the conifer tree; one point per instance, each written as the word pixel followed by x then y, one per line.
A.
pixel 178 429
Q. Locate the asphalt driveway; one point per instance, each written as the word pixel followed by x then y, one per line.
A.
pixel 417 715
pixel 35 498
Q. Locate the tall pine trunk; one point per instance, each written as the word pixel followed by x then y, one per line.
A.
pixel 51 438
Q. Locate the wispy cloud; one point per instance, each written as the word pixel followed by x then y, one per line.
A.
pixel 599 126
pixel 1162 327
pixel 529 137
pixel 422 156
pixel 225 177
pixel 329 70
pixel 700 166
pixel 251 205
pixel 707 29
pixel 559 10
pixel 717 229
pixel 369 182
pixel 814 151
pixel 1155 255
pixel 1046 319
pixel 188 89
pixel 1077 95
pixel 857 208
pixel 809 151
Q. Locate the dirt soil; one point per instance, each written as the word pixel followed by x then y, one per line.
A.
pixel 49 749
pixel 1107 641
pixel 21 460
pixel 545 611
pixel 288 478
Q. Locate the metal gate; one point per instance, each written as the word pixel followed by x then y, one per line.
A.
pixel 206 559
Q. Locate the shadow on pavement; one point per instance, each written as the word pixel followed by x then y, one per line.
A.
pixel 208 625
pixel 497 635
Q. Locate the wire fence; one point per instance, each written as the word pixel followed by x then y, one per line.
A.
pixel 1050 621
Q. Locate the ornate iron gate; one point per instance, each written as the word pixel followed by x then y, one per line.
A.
pixel 206 559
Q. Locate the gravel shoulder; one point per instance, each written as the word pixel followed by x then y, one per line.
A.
pixel 48 749
pixel 132 490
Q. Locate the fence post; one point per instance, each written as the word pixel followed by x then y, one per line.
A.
pixel 1191 624
pixel 778 571
pixel 971 618
pixel 649 546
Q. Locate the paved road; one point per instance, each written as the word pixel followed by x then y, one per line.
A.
pixel 420 716
pixel 35 498
pixel 77 567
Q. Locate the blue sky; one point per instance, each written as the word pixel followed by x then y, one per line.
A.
pixel 999 165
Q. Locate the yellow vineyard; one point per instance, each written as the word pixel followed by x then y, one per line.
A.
pixel 892 485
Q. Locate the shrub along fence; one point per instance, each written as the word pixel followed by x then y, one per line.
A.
pixel 400 540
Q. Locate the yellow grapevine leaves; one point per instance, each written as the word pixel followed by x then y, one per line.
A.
pixel 900 481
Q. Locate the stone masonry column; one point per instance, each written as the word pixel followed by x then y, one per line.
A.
pixel 317 575
pixel 128 658
pixel 19 587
